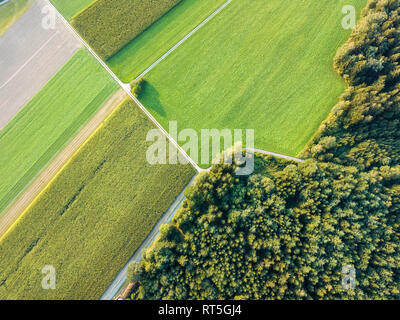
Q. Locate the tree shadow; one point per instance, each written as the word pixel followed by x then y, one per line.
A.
pixel 151 98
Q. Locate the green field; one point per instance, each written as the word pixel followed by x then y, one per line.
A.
pixel 141 52
pixel 35 135
pixel 93 216
pixel 11 11
pixel 257 65
pixel 109 25
pixel 68 8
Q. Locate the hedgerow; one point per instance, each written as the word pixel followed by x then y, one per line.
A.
pixel 108 25
pixel 93 216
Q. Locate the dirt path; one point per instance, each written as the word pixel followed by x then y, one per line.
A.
pixel 50 171
pixel 277 155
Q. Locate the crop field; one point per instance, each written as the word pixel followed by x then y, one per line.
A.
pixel 68 8
pixel 150 45
pixel 94 214
pixel 257 65
pixel 11 11
pixel 108 25
pixel 35 135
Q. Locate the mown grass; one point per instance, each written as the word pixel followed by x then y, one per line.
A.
pixel 161 36
pixel 68 8
pixel 35 135
pixel 108 25
pixel 93 216
pixel 11 11
pixel 257 65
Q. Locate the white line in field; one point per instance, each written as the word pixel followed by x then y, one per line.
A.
pixel 184 39
pixel 29 60
pixel 126 88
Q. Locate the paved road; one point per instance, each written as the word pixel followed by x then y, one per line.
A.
pixel 30 56
pixel 116 286
pixel 51 170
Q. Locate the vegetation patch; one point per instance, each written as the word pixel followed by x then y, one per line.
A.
pixel 54 115
pixel 68 8
pixel 108 25
pixel 363 129
pixel 93 216
pixel 137 86
pixel 282 236
pixel 161 36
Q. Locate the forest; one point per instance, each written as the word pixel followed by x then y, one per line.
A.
pixel 288 230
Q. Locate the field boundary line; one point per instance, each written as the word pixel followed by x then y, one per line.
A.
pixel 39 183
pixel 120 279
pixel 29 60
pixel 191 33
pixel 126 88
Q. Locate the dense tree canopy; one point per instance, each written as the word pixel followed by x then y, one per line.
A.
pixel 364 127
pixel 287 231
pixel 283 234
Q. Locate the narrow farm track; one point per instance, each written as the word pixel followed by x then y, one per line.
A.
pixel 126 87
pixel 115 287
pixel 191 33
pixel 28 196
pixel 277 155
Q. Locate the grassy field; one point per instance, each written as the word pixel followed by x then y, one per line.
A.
pixel 68 8
pixel 89 221
pixel 11 11
pixel 141 52
pixel 257 65
pixel 35 135
pixel 109 25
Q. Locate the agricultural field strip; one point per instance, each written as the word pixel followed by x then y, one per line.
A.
pixel 25 69
pixel 191 33
pixel 48 173
pixel 127 89
pixel 29 60
pixel 116 286
pixel 126 86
